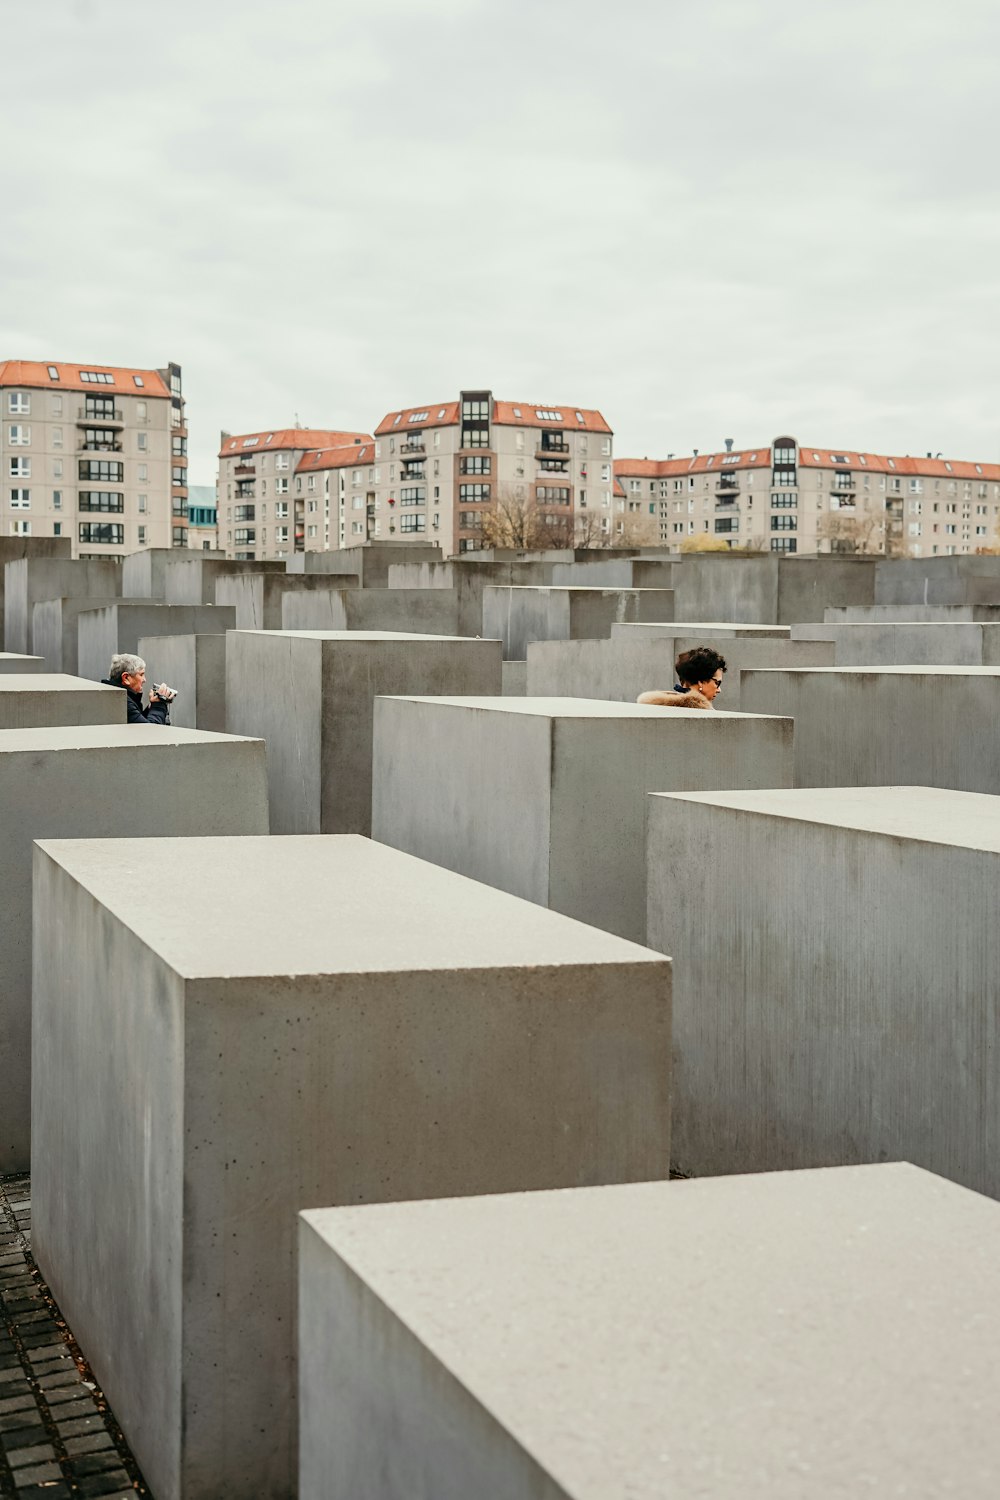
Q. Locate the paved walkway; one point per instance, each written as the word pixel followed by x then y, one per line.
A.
pixel 58 1437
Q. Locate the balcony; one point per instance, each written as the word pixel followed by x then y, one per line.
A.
pixel 725 503
pixel 843 484
pixel 250 493
pixel 413 445
pixel 84 447
pixel 104 417
pixel 548 449
pixel 406 475
pixel 727 484
pixel 245 469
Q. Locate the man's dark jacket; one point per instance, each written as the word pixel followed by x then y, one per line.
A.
pixel 158 712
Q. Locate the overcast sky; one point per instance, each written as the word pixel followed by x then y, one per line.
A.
pixel 710 219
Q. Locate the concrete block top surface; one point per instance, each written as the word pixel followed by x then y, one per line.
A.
pixel 355 635
pixel 50 682
pixel 812 1333
pixel 70 737
pixel 442 921
pixel 580 708
pixel 926 814
pixel 891 670
pixel 715 627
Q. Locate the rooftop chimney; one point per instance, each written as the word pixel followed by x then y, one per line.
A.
pixel 696 453
pixel 729 445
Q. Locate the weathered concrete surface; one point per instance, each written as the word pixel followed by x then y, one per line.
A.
pixel 55 630
pixel 31 578
pixel 886 726
pixel 10 661
pixel 420 611
pixel 190 577
pixel 769 589
pixel 195 667
pixel 546 797
pixel 309 694
pixel 467 578
pixel 14 547
pixel 199 1080
pixel 118 627
pixel 257 597
pixel 769 1337
pixel 708 629
pixel 910 643
pixel 45 699
pixel 937 580
pixel 945 613
pixel 515 679
pixel 520 615
pixel 144 574
pixel 89 782
pixel 370 563
pixel 842 1006
pixel 639 658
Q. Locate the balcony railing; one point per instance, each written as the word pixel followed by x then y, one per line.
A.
pixel 726 482
pixel 84 447
pixel 725 503
pixel 413 445
pixel 101 417
pixel 408 474
pixel 547 449
pixel 244 469
pixel 247 494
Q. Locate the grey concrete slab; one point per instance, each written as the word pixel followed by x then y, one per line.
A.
pixel 13 548
pixel 55 629
pixel 29 579
pixel 195 667
pixel 468 578
pixel 520 615
pixel 424 611
pixel 11 661
pixel 370 562
pixel 877 726
pixel 310 695
pixel 639 658
pixel 89 782
pixel 842 1006
pixel 911 643
pixel 145 573
pixel 770 1337
pixel 774 590
pixel 45 699
pixel 515 680
pixel 189 578
pixel 198 1081
pixel 118 627
pixel 937 580
pixel 257 597
pixel 947 613
pixel 709 629
pixel 546 797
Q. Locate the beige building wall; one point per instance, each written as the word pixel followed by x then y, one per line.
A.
pixel 274 500
pixel 92 461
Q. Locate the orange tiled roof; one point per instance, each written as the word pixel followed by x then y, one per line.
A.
pixel 705 463
pixel 342 457
pixel 34 375
pixel 535 414
pixel 443 414
pixel 808 458
pixel 288 437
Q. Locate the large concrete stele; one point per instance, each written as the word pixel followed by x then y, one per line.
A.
pixel 190 578
pixel 841 1003
pixel 965 643
pixel 886 726
pixel 101 633
pixel 467 576
pixel 30 578
pixel 13 548
pixel 204 1069
pixel 938 580
pixel 310 695
pixel 370 562
pixel 546 797
pixel 774 1337
pixel 55 625
pixel 12 661
pixel 42 700
pixel 519 615
pixel 257 597
pixel 86 782
pixel 195 667
pixel 424 611
pixel 145 574
pixel 769 589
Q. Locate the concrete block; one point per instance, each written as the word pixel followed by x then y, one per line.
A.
pixel 878 726
pixel 638 658
pixel 945 613
pixel 45 699
pixel 10 661
pixel 144 574
pixel 198 1080
pixel 518 616
pixel 257 597
pixel 310 695
pixel 31 578
pixel 467 578
pixel 190 577
pixel 515 679
pixel 117 627
pixel 770 1337
pixel 937 580
pixel 55 630
pixel 370 562
pixel 546 797
pixel 913 643
pixel 89 782
pixel 195 666
pixel 840 1005
pixel 420 611
pixel 770 589
pixel 13 548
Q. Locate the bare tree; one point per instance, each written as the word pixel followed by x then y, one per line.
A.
pixel 856 531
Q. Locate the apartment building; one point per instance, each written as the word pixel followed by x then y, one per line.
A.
pixel 792 497
pixel 269 505
pixel 439 468
pixel 203 528
pixel 97 453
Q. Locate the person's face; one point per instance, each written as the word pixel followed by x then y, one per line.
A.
pixel 134 680
pixel 710 688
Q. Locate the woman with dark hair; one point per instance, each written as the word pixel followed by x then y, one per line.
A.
pixel 699 681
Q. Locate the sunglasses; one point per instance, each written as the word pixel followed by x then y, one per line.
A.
pixel 718 683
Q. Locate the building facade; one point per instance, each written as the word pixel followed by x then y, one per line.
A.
pixel 269 505
pixel 202 521
pixel 95 453
pixel 440 468
pixel 792 497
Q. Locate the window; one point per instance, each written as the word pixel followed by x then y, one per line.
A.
pixel 281 532
pixel 142 473
pixel 57 528
pixel 101 468
pixel 108 500
pixel 470 519
pixel 784 499
pixel 140 411
pixel 96 377
pixel 245 535
pixel 178 475
pixel 102 531
pixel 413 523
pixel 478 463
pixel 414 495
pixel 727 523
pixel 57 437
pixel 57 468
pixel 783 544
pixel 18 404
pixel 281 486
pixel 143 502
pixel 57 499
pixel 101 408
pixel 53 372
pixel 556 494
pixel 245 513
pixel 310 531
pixel 142 439
pixel 281 508
pixel 142 536
pixel 20 468
pixel 473 492
pixel 101 440
pixel 20 499
pixel 311 483
pixel 784 523
pixel 19 435
pixel 20 528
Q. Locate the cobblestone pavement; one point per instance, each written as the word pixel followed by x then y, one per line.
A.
pixel 58 1436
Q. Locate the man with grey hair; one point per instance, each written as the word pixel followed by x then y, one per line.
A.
pixel 129 672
